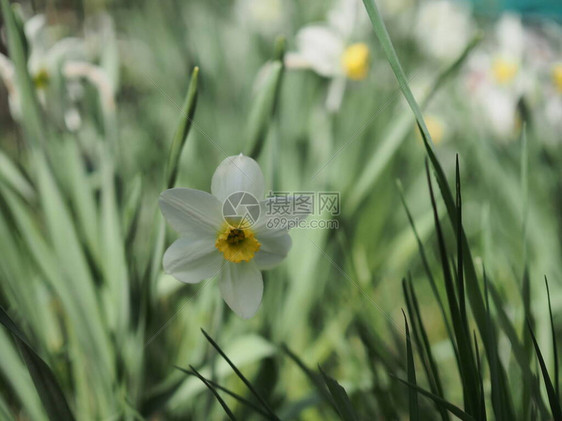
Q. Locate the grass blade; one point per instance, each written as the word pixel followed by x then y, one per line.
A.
pixel 413 395
pixel 229 392
pixel 12 176
pixel 240 375
pixel 474 294
pixel 341 400
pixel 396 134
pixel 313 377
pixel 212 389
pixel 554 345
pixel 466 358
pixel 43 378
pixel 182 130
pixel 420 335
pixel 460 272
pixel 32 118
pixel 552 398
pixel 453 409
pixel 264 107
pixel 427 268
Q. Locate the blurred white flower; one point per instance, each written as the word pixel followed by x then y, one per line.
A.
pixel 556 75
pixel 96 76
pixel 443 28
pixel 497 77
pixel 550 114
pixel 231 248
pixel 48 60
pixel 265 16
pixel 327 50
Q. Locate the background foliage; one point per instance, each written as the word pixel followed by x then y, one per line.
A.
pixel 95 330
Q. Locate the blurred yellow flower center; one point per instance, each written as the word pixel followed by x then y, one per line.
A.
pixel 41 79
pixel 557 76
pixel 237 244
pixel 435 127
pixel 504 70
pixel 355 61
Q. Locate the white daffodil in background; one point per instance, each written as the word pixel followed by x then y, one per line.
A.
pixel 548 118
pixel 263 16
pixel 235 248
pixel 443 28
pixel 497 78
pixel 49 60
pixel 327 49
pixel 44 59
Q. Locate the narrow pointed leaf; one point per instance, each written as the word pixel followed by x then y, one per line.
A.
pixel 413 394
pixel 240 375
pixel 341 400
pixel 453 409
pixel 182 130
pixel 552 398
pixel 554 345
pixel 214 392
pixel 45 381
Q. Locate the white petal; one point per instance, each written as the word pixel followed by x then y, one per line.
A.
pixel 511 35
pixel 322 48
pixel 274 248
pixel 192 261
pixel 241 286
pixel 343 16
pixel 238 173
pixel 335 93
pixel 191 212
pixel 33 28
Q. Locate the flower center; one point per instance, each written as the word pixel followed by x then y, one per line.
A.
pixel 557 76
pixel 504 71
pixel 435 127
pixel 41 79
pixel 355 61
pixel 237 244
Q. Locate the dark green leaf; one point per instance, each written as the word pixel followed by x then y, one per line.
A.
pixel 453 409
pixel 43 378
pixel 466 361
pixel 214 392
pixel 552 398
pixel 341 400
pixel 554 346
pixel 420 335
pixel 413 395
pixel 241 376
pixel 228 392
pixel 473 291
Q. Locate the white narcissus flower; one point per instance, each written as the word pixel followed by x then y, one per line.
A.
pixel 49 58
pixel 498 78
pixel 443 28
pixel 549 117
pixel 265 16
pixel 327 50
pixel 231 248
